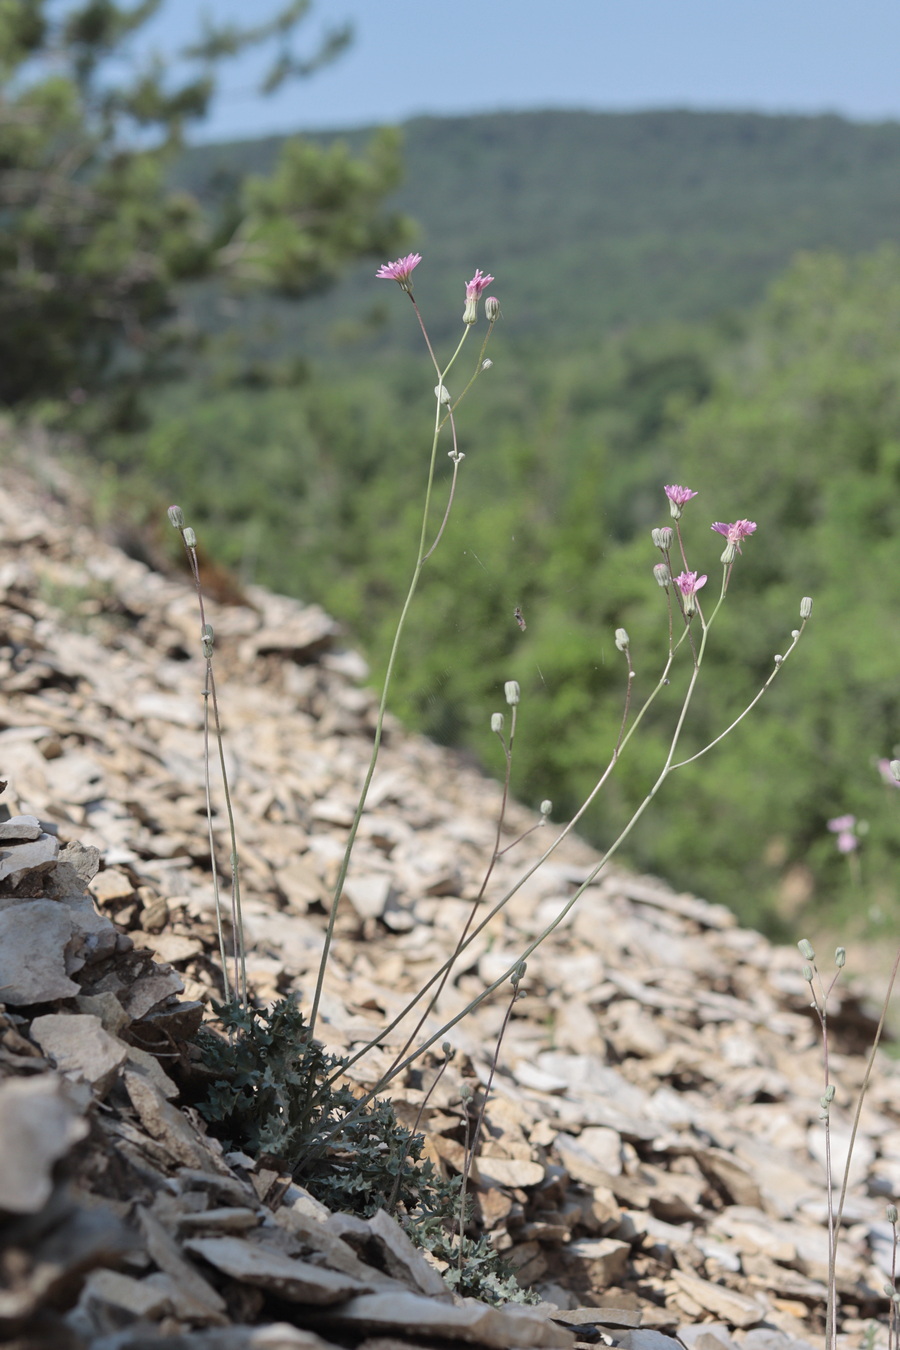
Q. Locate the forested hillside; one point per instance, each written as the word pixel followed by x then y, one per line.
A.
pixel 632 255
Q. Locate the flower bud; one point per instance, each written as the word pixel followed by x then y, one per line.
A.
pixel 805 607
pixel 441 393
pixel 662 574
pixel 795 633
pixel 546 806
pixel 808 974
pixel 492 309
pixel 447 1049
pixel 511 691
pixel 895 769
pixel 891 1213
pixel 778 659
pixel 487 363
pixel 827 1097
pixel 497 724
pixel 207 638
pixel 189 537
pixel 621 639
pixel 519 973
pixel 840 957
pixel 662 538
pixel 806 949
pixel 176 517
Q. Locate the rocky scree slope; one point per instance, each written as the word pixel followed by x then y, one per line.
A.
pixel 652 1157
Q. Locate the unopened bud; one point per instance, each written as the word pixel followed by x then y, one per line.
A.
pixel 176 517
pixel 808 974
pixel 805 607
pixel 795 633
pixel 891 1213
pixel 827 1097
pixel 778 659
pixel 621 640
pixel 519 973
pixel 511 691
pixel 840 957
pixel 546 806
pixel 806 949
pixel 497 724
pixel 662 538
pixel 487 363
pixel 442 393
pixel 447 1049
pixel 207 638
pixel 895 769
pixel 662 574
pixel 189 537
pixel 492 308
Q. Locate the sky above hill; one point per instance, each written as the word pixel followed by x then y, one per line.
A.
pixel 417 56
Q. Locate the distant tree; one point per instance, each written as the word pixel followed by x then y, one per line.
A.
pixel 93 240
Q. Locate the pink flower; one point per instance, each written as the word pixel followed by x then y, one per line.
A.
pixel 689 584
pixel 400 271
pixel 677 497
pixel 479 283
pixel 736 532
pixel 840 824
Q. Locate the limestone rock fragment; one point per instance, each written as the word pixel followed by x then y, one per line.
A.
pixel 38 1126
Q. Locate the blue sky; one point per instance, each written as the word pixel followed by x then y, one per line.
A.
pixel 419 56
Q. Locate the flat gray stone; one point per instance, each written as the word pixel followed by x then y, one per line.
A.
pixel 34 936
pixel 19 829
pixel 18 860
pixel 38 1126
pixel 268 1268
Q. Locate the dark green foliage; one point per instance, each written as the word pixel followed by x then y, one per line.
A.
pixel 94 241
pixel 273 1094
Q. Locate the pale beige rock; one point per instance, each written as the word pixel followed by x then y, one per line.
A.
pixel 111 884
pixel 165 1122
pixel 38 1126
pixel 470 1321
pixel 112 1289
pixel 192 1296
pixel 77 1044
pixel 736 1309
pixel 605 1259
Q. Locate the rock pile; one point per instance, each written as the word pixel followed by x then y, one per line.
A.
pixel 651 1160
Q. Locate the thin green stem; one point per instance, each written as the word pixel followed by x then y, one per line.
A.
pixel 382 707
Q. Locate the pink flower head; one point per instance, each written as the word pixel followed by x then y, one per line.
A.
pixel 677 497
pixel 400 271
pixel 689 584
pixel 479 283
pixel 736 532
pixel 841 824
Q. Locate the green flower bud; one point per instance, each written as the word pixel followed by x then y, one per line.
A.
pixel 805 607
pixel 891 1213
pixel 492 308
pixel 662 538
pixel 497 724
pixel 808 974
pixel 621 640
pixel 176 517
pixel 442 393
pixel 840 957
pixel 189 537
pixel 895 769
pixel 662 574
pixel 546 807
pixel 511 691
pixel 827 1097
pixel 806 949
